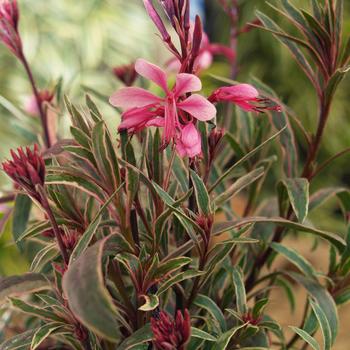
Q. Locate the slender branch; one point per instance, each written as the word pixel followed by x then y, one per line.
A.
pixel 42 113
pixel 56 230
pixel 329 161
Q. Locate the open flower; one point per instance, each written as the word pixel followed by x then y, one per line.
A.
pixel 26 169
pixel 170 334
pixel 244 96
pixel 142 108
pixel 9 16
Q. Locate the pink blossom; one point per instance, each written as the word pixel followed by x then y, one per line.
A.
pixel 244 96
pixel 142 108
pixel 31 104
pixel 189 143
pixel 206 55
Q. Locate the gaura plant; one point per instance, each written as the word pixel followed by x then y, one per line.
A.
pixel 136 244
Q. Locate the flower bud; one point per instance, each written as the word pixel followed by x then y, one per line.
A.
pixel 170 334
pixel 126 73
pixel 9 35
pixel 26 169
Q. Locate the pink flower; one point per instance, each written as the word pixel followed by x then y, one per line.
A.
pixel 142 108
pixel 9 16
pixel 189 143
pixel 206 54
pixel 244 96
pixel 31 105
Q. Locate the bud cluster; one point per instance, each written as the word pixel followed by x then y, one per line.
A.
pixel 170 334
pixel 9 35
pixel 26 169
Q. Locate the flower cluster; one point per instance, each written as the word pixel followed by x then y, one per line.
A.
pixel 9 35
pixel 175 112
pixel 170 334
pixel 26 169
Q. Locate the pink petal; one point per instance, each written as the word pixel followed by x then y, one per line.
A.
pixel 152 72
pixel 190 143
pixel 187 83
pixel 135 119
pixel 170 121
pixel 238 92
pixel 218 49
pixel 204 60
pixel 131 97
pixel 158 122
pixel 199 107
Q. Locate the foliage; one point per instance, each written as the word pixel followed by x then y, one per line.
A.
pixel 125 232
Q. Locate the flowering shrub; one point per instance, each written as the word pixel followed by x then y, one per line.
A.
pixel 136 244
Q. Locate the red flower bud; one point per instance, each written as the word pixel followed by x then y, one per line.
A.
pixel 126 73
pixel 9 35
pixel 26 169
pixel 170 334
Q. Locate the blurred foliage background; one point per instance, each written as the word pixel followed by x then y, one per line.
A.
pixel 80 41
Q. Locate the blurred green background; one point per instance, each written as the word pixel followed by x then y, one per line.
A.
pixel 80 41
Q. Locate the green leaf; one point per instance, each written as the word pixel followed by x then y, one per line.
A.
pixel 169 266
pixel 259 307
pixel 151 302
pixel 202 195
pixel 20 341
pixel 23 205
pixel 298 192
pixel 295 258
pixel 179 277
pixel 141 336
pixel 43 333
pixel 325 327
pixel 198 333
pixel 323 298
pixel 238 186
pixel 226 337
pixel 290 43
pixel 210 306
pixel 306 337
pixel 242 160
pixel 336 240
pixel 84 287
pixel 19 285
pixel 36 311
pixel 343 297
pixel 91 229
pixel 240 294
pixel 287 287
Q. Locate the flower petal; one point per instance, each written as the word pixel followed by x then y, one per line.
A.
pixel 199 107
pixel 238 92
pixel 136 118
pixel 131 97
pixel 189 143
pixel 187 83
pixel 152 72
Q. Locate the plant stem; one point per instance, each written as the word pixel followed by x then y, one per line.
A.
pixel 8 198
pixel 307 173
pixel 42 113
pixel 56 230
